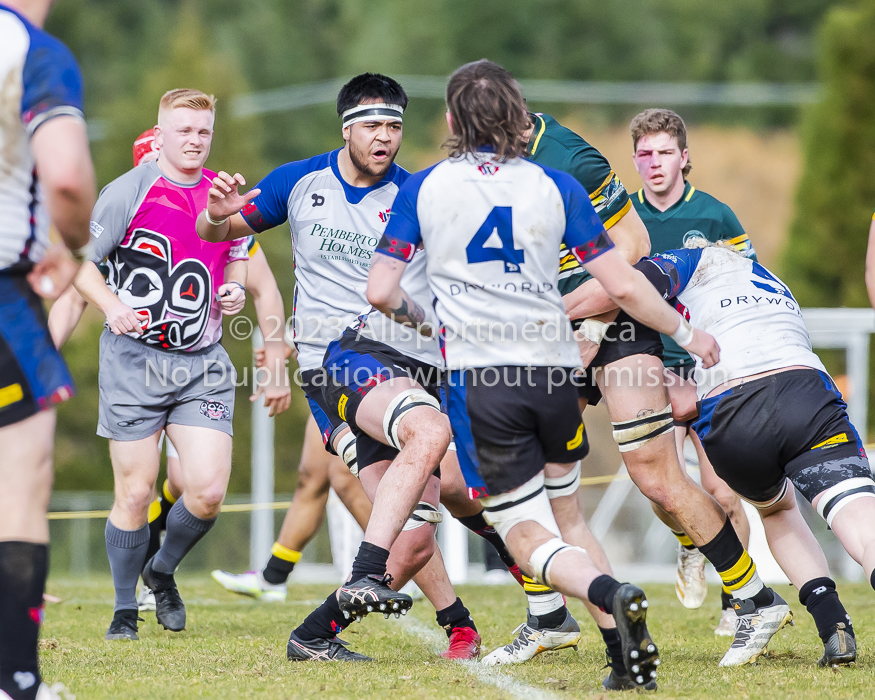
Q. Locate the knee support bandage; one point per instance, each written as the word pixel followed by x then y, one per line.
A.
pixel 837 497
pixel 411 398
pixel 558 486
pixel 423 513
pixel 528 502
pixel 544 555
pixel 632 434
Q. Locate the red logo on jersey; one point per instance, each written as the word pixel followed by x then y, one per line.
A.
pixel 384 215
pixel 487 168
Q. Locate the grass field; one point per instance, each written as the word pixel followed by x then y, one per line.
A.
pixel 235 648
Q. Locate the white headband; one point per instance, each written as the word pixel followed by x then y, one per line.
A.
pixel 377 112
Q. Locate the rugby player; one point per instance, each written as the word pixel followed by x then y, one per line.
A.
pixel 47 175
pixel 337 205
pixel 767 370
pixel 161 364
pixel 510 431
pixel 624 364
pixel 674 211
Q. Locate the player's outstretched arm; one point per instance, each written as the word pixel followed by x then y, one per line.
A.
pixel 261 284
pixel 120 317
pixel 633 293
pixel 386 294
pixel 221 220
pixel 65 314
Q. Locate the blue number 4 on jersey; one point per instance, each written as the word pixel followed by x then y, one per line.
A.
pixel 494 241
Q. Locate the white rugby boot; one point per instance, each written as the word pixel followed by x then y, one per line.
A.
pixel 252 584
pixel 726 626
pixel 531 641
pixel 754 628
pixel 690 585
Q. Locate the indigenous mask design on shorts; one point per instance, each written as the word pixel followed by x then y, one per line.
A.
pixel 175 297
pixel 215 410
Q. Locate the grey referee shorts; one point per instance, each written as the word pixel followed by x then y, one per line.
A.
pixel 143 388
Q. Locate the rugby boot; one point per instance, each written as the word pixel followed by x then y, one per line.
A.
pixel 840 649
pixel 252 584
pixel 754 628
pixel 464 644
pixel 123 626
pixel 640 654
pixel 55 691
pixel 531 641
pixel 621 681
pixel 690 586
pixel 321 650
pixel 726 626
pixel 369 594
pixel 169 608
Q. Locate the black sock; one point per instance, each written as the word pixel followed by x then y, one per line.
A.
pixel 24 567
pixel 324 622
pixel 277 570
pixel 820 598
pixel 370 559
pixel 614 649
pixel 184 531
pixel 478 525
pixel 872 578
pixel 551 620
pixel 455 615
pixel 601 593
pixel 764 598
pixel 724 600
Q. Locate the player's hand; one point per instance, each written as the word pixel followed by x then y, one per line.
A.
pixel 704 346
pixel 225 198
pixel 272 383
pixel 54 273
pixel 260 355
pixel 232 297
pixel 588 349
pixel 122 319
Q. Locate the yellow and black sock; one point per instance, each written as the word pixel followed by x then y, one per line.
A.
pixel 158 510
pixel 545 604
pixel 279 566
pixel 735 567
pixel 685 541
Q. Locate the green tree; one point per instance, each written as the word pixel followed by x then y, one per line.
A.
pixel 824 259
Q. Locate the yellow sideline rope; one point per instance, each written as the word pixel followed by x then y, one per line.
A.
pixel 284 505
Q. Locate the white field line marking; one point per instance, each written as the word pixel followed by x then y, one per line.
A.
pixel 487 674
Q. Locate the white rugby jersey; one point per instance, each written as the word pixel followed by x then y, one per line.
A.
pixel 335 228
pixel 749 311
pixel 40 81
pixel 491 233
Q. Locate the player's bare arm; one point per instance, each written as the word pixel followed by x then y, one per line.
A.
pixel 65 314
pixel 870 263
pixel 60 150
pixel 262 285
pixel 232 294
pixel 387 295
pixel 632 241
pixel 635 295
pixel 120 317
pixel 221 220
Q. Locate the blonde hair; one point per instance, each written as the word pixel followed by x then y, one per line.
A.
pixel 186 97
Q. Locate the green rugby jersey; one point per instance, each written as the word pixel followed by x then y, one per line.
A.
pixel 695 214
pixel 558 147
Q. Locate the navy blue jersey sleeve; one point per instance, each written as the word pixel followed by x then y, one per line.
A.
pixel 403 235
pixel 585 234
pixel 52 82
pixel 271 207
pixel 670 272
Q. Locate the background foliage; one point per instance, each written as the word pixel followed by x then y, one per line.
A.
pixel 131 51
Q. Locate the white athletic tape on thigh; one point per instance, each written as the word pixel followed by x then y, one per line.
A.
pixel 346 448
pixel 632 434
pixel 528 502
pixel 423 513
pixel 837 497
pixel 411 398
pixel 558 486
pixel 765 505
pixel 544 556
